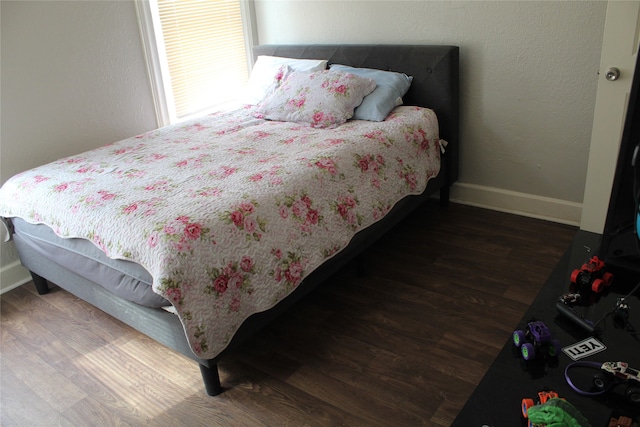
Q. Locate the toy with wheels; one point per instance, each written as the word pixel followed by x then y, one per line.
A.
pixel 611 375
pixel 543 396
pixel 619 372
pixel 592 276
pixel 536 340
pixel 550 409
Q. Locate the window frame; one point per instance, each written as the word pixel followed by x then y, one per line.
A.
pixel 156 60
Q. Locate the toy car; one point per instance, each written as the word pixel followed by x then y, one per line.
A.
pixel 592 276
pixel 536 340
pixel 543 397
pixel 551 410
pixel 619 372
pixel 570 298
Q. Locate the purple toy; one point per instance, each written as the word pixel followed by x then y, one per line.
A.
pixel 536 340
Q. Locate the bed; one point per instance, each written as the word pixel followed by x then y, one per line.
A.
pixel 208 284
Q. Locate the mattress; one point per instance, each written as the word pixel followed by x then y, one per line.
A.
pixel 226 214
pixel 123 278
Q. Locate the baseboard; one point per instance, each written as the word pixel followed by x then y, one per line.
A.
pixel 13 275
pixel 529 205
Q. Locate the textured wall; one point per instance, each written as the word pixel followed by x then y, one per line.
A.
pixel 529 76
pixel 73 78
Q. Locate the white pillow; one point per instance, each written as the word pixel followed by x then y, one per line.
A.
pixel 265 70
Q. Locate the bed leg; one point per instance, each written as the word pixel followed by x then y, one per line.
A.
pixel 444 195
pixel 211 379
pixel 41 283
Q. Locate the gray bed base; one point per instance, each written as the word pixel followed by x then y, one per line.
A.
pixel 435 85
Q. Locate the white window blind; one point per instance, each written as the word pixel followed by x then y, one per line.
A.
pixel 197 54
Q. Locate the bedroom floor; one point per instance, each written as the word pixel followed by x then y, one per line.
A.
pixel 405 344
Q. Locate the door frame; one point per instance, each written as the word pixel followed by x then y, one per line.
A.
pixel 619 49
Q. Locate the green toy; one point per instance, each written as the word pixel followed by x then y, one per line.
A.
pixel 556 412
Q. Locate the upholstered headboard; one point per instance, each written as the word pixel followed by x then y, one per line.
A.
pixel 435 77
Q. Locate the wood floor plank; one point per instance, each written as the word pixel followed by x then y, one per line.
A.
pixel 94 411
pixel 443 290
pixel 279 403
pixel 38 375
pixel 21 406
pixel 356 391
pixel 151 354
pixel 17 317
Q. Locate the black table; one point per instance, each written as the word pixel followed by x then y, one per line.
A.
pixel 496 402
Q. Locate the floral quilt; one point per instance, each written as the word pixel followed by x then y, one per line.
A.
pixel 229 213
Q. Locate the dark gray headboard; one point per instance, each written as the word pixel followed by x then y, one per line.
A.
pixel 435 77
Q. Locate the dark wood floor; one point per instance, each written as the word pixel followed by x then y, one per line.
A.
pixel 403 345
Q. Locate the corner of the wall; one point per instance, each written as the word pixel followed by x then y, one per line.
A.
pixel 12 276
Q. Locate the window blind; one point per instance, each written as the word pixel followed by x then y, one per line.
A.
pixel 205 51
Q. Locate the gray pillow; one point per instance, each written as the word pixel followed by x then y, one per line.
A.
pixel 390 88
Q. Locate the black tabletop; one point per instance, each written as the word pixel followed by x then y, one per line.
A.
pixel 497 400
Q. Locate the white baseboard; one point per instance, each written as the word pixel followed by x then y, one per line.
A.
pixel 13 275
pixel 529 205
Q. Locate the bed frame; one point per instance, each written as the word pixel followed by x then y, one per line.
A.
pixel 435 85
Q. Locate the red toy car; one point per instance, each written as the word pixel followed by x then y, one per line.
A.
pixel 592 275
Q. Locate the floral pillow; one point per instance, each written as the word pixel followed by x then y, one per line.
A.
pixel 322 98
pixel 267 66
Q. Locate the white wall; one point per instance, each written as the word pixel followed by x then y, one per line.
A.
pixel 529 78
pixel 73 78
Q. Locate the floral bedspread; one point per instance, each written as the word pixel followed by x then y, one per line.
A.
pixel 229 213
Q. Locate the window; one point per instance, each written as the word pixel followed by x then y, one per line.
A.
pixel 197 53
